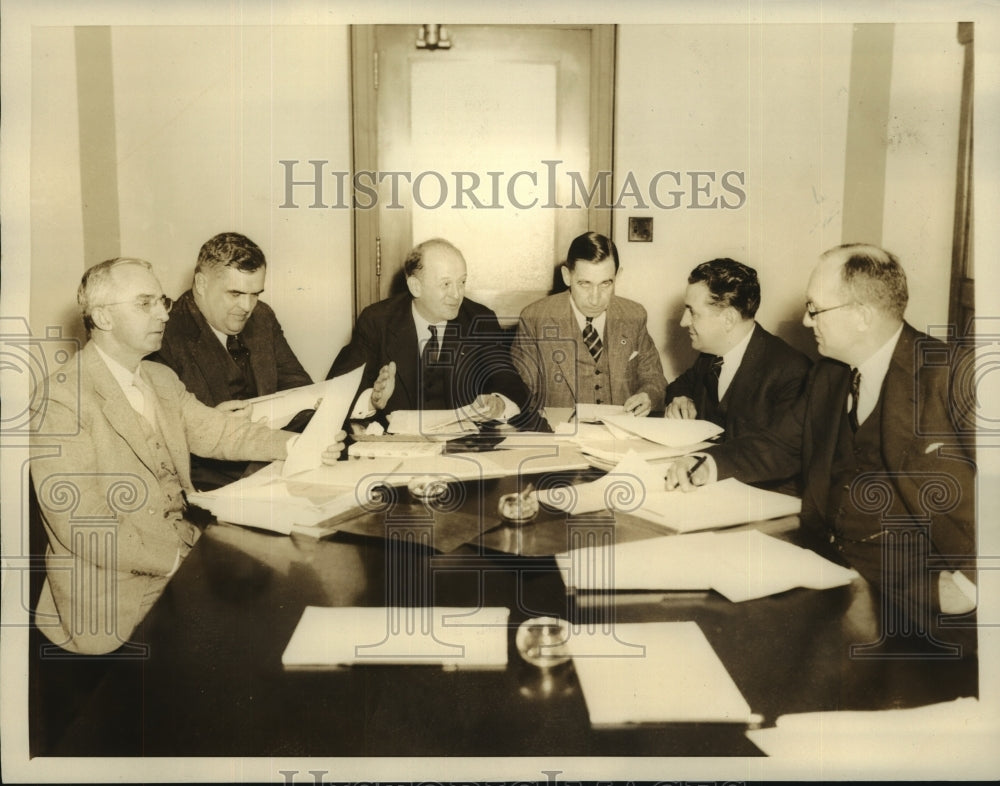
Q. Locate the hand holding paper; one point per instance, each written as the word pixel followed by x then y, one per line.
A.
pixel 313 446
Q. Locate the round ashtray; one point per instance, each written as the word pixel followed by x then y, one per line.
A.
pixel 542 641
pixel 427 487
pixel 518 508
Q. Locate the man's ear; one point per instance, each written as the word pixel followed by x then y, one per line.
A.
pixel 101 318
pixel 566 275
pixel 731 317
pixel 199 283
pixel 415 285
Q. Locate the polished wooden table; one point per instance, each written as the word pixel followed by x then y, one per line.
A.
pixel 211 681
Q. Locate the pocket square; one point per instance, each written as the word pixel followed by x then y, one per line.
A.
pixel 634 355
pixel 933 447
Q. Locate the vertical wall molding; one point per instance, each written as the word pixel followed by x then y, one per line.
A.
pixel 98 149
pixel 867 123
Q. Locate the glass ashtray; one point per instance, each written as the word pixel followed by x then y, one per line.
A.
pixel 426 487
pixel 543 641
pixel 518 508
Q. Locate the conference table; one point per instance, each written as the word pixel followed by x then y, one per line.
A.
pixel 203 675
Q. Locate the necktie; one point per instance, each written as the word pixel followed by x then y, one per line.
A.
pixel 852 412
pixel 592 340
pixel 712 380
pixel 241 356
pixel 430 353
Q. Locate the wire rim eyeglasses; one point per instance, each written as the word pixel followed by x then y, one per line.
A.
pixel 815 312
pixel 145 303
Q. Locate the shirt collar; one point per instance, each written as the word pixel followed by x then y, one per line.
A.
pixel 874 369
pixel 581 320
pixel 421 324
pixel 121 374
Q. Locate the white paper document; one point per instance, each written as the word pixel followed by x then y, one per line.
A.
pixel 430 422
pixel 460 638
pixel 623 488
pixel 307 451
pixel 595 413
pixel 277 409
pixel 654 672
pixel 715 505
pixel 739 565
pixel 676 433
pixel 956 731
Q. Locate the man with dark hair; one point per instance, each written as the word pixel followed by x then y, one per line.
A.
pixel 112 493
pixel 878 437
pixel 226 345
pixel 744 377
pixel 432 348
pixel 587 345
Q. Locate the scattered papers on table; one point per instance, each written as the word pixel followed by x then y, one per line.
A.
pixel 621 489
pixel 595 413
pixel 430 422
pixel 739 565
pixel 654 672
pixel 277 409
pixel 460 638
pixel 956 731
pixel 306 452
pixel 715 505
pixel 673 432
pixel 370 450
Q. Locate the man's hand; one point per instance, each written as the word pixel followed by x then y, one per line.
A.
pixel 384 385
pixel 486 407
pixel 234 407
pixel 332 453
pixel 688 472
pixel 638 405
pixel 681 407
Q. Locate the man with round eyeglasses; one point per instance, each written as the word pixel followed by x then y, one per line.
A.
pixel 119 431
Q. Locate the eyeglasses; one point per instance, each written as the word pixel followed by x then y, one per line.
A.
pixel 146 303
pixel 815 312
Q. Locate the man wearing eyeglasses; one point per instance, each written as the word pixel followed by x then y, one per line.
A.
pixel 124 429
pixel 880 435
pixel 226 345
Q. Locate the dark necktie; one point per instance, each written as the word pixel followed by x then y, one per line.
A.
pixel 241 356
pixel 712 380
pixel 852 413
pixel 592 339
pixel 430 353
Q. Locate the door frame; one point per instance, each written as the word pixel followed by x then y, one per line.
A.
pixel 364 75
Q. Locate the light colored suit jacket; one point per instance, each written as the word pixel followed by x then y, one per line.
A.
pixel 111 543
pixel 553 361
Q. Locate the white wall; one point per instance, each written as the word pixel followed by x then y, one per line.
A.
pixel 203 116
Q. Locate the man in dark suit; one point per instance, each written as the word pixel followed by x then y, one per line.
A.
pixel 880 437
pixel 433 348
pixel 744 377
pixel 226 345
pixel 588 345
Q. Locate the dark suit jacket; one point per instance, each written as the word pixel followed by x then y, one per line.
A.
pixel 924 435
pixel 474 350
pixel 195 353
pixel 557 367
pixel 103 473
pixel 205 367
pixel 769 380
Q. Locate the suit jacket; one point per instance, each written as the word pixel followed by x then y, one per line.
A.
pixel 97 468
pixel 473 350
pixel 922 437
pixel 554 362
pixel 769 380
pixel 195 353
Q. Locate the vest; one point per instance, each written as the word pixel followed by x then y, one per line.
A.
pixel 593 380
pixel 170 486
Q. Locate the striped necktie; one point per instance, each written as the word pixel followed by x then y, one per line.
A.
pixel 592 340
pixel 712 380
pixel 852 411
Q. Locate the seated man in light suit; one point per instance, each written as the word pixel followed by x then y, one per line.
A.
pixel 744 377
pixel 226 345
pixel 119 433
pixel 877 422
pixel 588 345
pixel 433 348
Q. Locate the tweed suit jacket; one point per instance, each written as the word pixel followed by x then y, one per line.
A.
pixel 553 360
pixel 97 467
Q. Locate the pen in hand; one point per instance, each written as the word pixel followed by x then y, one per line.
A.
pixel 695 467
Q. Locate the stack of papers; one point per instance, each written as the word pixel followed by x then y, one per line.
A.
pixel 739 565
pixel 460 638
pixel 659 672
pixel 956 734
pixel 431 423
pixel 672 432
